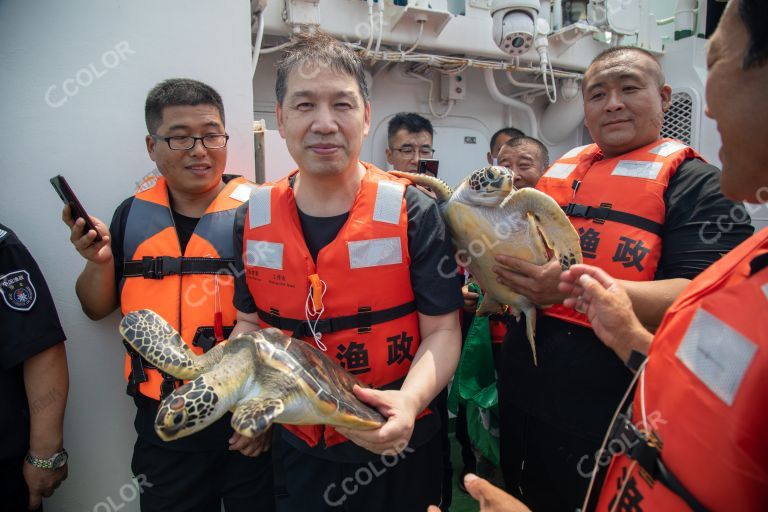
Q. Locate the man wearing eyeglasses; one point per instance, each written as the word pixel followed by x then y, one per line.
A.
pixel 409 138
pixel 169 248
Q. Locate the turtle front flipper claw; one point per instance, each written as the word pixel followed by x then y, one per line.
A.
pixel 253 417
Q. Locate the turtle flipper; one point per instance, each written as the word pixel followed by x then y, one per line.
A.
pixel 438 186
pixel 159 343
pixel 530 330
pixel 552 223
pixel 253 417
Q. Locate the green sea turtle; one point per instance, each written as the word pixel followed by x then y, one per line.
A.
pixel 262 376
pixel 487 216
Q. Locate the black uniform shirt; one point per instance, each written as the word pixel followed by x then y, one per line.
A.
pixel 28 325
pixel 430 249
pixel 579 382
pixel 214 436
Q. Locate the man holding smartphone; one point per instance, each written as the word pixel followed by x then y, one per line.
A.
pixel 169 249
pixel 409 140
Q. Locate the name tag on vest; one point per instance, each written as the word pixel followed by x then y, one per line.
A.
pixel 560 171
pixel 264 254
pixel 374 253
pixel 637 169
pixel 717 354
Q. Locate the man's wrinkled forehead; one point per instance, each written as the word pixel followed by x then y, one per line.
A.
pixel 627 65
pixel 522 152
pixel 524 149
pixel 310 70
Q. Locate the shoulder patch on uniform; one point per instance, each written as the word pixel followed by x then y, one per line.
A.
pixel 18 291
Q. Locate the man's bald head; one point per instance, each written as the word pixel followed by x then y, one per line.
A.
pixel 621 56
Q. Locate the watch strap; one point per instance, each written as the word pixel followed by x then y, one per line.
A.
pixel 47 463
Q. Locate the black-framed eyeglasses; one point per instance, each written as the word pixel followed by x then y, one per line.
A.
pixel 187 142
pixel 408 151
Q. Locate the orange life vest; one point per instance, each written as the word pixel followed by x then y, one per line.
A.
pixel 617 206
pixel 186 290
pixel 360 283
pixel 705 401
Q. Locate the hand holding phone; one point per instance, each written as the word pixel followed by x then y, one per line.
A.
pixel 428 166
pixel 76 209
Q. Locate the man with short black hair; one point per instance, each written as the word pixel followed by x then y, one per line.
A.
pixel 644 208
pixel 498 139
pixel 169 249
pixel 343 256
pixel 409 140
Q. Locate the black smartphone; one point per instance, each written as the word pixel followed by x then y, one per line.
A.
pixel 428 166
pixel 69 197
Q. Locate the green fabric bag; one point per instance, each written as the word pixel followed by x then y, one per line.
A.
pixel 474 385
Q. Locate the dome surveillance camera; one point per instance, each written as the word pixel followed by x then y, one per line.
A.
pixel 514 27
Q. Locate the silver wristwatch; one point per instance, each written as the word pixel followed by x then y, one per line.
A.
pixel 55 461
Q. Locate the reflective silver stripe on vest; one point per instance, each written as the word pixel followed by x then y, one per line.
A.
pixel 260 207
pixel 560 171
pixel 765 291
pixel 375 252
pixel 574 152
pixel 145 220
pixel 717 354
pixel 389 201
pixel 637 169
pixel 667 147
pixel 242 192
pixel 259 253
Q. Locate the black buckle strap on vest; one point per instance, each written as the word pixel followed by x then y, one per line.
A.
pixel 137 374
pixel 168 385
pixel 157 268
pixel 205 337
pixel 648 456
pixel 363 320
pixel 604 212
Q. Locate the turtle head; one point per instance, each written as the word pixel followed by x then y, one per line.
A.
pixel 490 186
pixel 192 407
